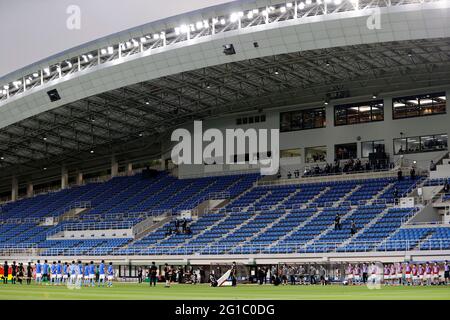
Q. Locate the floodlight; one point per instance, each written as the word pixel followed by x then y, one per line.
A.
pixel 103 51
pixel 301 5
pixel 199 25
pixel 110 50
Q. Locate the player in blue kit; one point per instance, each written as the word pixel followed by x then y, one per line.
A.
pixel 92 273
pixel 38 272
pixel 110 274
pixel 73 273
pixel 79 274
pixel 45 271
pixel 58 273
pixel 53 273
pixel 65 272
pixel 86 274
pixel 102 275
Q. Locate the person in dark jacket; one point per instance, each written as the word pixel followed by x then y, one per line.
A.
pixel 5 272
pixel 13 272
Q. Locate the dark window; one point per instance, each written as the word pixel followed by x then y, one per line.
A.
pixel 437 142
pixel 419 105
pixel 263 118
pixel 360 112
pixel 239 121
pixel 345 151
pixel 369 147
pixel 302 119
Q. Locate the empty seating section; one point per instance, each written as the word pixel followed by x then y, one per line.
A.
pixel 268 219
pixel 118 203
pixel 385 226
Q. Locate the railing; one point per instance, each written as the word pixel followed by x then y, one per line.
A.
pixel 245 249
pixel 331 178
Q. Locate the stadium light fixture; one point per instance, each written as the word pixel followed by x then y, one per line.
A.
pixel 47 71
pixel 90 56
pixel 110 50
pixel 223 21
pixel 85 58
pixel 199 25
pixel 143 39
pixel 156 36
pixel 45 168
pixel 103 51
pixel 44 138
pixel 135 43
pixel 92 151
pixel 35 74
pixel 301 5
pixel 184 28
pixel 69 64
pixel 250 15
pixel 234 17
pixel 27 82
pixel 283 9
pixel 2 158
pixel 6 87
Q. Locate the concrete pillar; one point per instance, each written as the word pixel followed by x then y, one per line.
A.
pixel 114 167
pixel 64 177
pixel 14 188
pixel 79 178
pixel 129 168
pixel 30 189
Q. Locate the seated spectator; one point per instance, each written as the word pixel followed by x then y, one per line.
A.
pixel 432 166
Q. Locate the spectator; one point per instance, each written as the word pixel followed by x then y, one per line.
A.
pixel 289 175
pixel 432 166
pixel 412 174
pixel 400 175
pixel 337 222
pixel 353 229
pixel 395 194
pixel 446 187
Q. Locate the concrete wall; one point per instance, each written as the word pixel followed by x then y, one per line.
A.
pixel 331 135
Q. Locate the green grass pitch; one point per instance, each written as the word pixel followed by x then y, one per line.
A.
pixel 126 291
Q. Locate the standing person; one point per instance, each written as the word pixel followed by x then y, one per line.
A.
pixel 353 228
pixel 59 273
pixel 87 278
pixel 92 274
pixel 53 273
pixel 323 280
pixel 140 275
pixel 153 272
pixel 421 271
pixel 395 195
pixel 233 274
pixel 66 272
pixel 337 222
pixel 79 274
pixel 408 276
pixel 13 272
pixel 349 272
pixel 110 272
pixel 446 272
pixel 102 274
pixel 428 273
pixel 5 272
pixel 38 272
pixel 20 272
pixel 167 275
pixel 436 273
pixel 72 273
pixel 29 273
pixel 412 174
pixel 415 275
pixel 45 271
pixel 365 272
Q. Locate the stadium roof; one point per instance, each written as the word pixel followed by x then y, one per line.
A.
pixel 136 117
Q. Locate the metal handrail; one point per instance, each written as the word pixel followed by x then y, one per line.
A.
pixel 244 249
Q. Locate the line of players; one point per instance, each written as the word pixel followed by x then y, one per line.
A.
pixel 75 274
pixel 401 273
